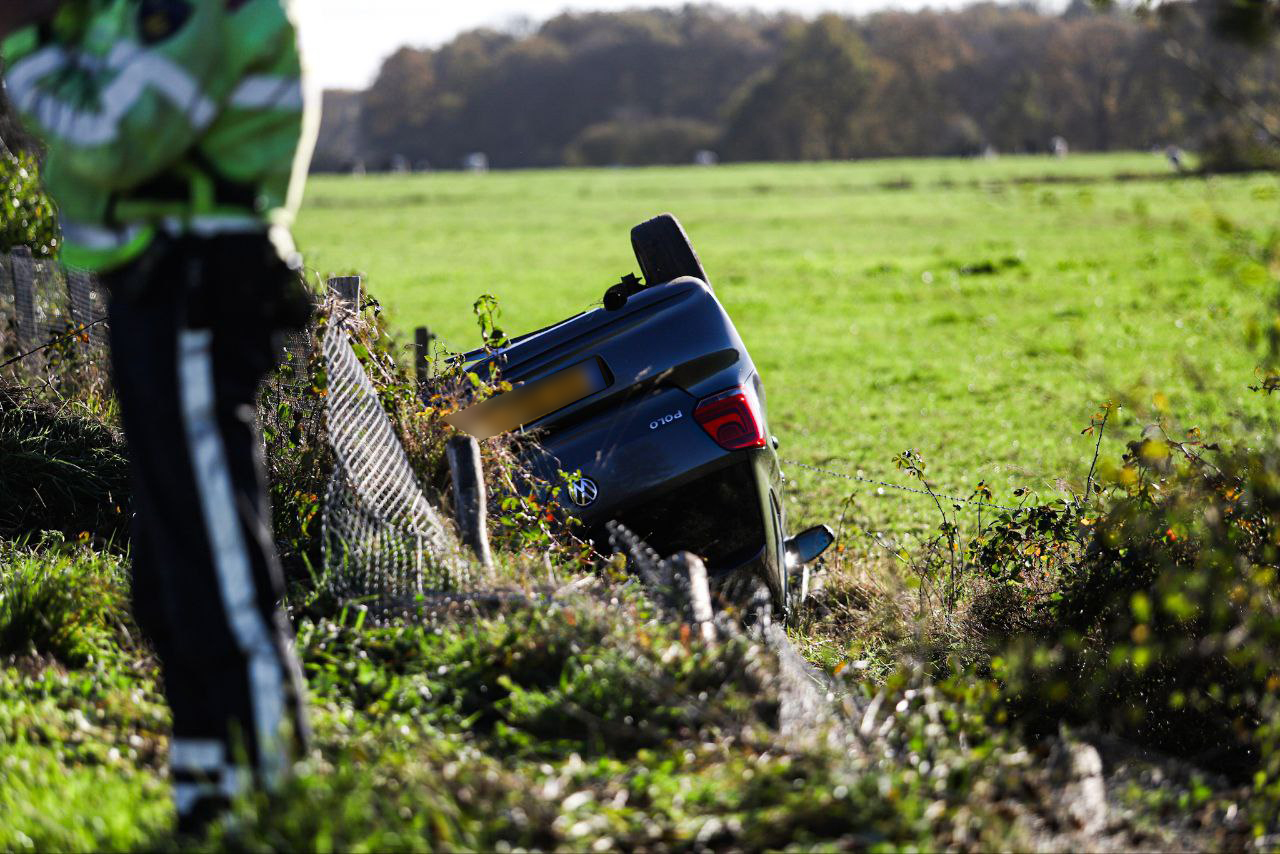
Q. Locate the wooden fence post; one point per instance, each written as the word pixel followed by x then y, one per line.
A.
pixel 691 574
pixel 24 298
pixel 347 290
pixel 469 499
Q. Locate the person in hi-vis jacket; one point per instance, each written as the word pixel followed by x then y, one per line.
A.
pixel 177 139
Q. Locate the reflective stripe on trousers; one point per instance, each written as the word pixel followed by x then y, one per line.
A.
pixel 200 769
pixel 231 558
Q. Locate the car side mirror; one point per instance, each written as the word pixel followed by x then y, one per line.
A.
pixel 809 545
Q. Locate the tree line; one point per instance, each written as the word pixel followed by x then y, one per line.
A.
pixel 659 86
pixel 653 86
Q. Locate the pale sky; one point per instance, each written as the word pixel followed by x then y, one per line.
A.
pixel 346 40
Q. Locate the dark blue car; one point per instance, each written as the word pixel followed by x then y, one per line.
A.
pixel 654 408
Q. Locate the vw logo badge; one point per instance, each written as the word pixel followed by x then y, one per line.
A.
pixel 584 492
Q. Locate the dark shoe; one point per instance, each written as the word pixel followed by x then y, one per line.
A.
pixel 195 822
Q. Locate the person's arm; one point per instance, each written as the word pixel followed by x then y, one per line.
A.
pixel 117 118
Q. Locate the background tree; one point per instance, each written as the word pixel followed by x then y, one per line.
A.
pixel 656 85
pixel 804 108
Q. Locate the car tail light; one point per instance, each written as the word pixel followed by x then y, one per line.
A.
pixel 732 418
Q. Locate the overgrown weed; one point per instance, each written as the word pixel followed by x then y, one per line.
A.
pixel 1144 606
pixel 59 602
pixel 64 470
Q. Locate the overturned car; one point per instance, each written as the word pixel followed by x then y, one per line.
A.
pixel 652 408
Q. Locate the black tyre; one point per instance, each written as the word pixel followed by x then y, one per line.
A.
pixel 664 251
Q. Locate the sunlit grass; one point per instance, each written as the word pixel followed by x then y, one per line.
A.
pixel 974 310
pixel 961 308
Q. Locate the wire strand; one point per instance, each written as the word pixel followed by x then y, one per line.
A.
pixel 860 478
pixel 45 346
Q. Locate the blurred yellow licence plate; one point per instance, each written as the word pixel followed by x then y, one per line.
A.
pixel 531 401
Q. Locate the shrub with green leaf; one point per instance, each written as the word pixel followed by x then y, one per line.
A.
pixel 1166 627
pixel 27 218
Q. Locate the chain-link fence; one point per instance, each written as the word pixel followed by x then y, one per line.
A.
pixel 383 538
pixel 42 304
pixel 384 543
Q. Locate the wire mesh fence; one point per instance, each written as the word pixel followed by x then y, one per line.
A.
pixel 43 304
pixel 383 539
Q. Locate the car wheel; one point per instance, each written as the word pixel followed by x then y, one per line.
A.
pixel 664 251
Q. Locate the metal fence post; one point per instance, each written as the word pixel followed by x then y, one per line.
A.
pixel 469 497
pixel 24 298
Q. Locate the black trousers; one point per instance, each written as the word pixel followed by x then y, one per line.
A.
pixel 191 340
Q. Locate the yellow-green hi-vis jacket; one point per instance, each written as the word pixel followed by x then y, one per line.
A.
pixel 188 117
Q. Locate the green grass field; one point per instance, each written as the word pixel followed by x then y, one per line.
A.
pixel 977 311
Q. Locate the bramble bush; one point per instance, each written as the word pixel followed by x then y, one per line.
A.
pixel 1166 627
pixel 1145 606
pixel 27 218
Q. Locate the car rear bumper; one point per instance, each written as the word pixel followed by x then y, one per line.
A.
pixel 680 493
